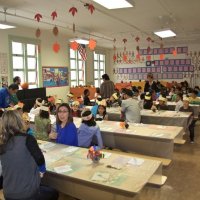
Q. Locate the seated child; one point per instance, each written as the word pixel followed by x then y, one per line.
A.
pixel 88 131
pixel 161 104
pixel 141 101
pixel 58 102
pixel 43 123
pixel 86 100
pixel 101 113
pixel 179 101
pixel 36 109
pixel 26 120
pixel 187 108
pixel 172 91
pixel 70 98
pixel 148 102
pixel 75 109
pixel 97 93
pixel 114 100
pixel 52 107
pixel 140 90
pixel 193 97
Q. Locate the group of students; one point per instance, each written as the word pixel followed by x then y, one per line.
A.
pixel 19 148
pixel 22 161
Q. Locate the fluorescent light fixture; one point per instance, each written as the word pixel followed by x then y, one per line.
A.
pixel 114 4
pixel 6 25
pixel 165 33
pixel 80 40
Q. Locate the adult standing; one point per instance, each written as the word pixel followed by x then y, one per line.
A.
pixel 14 99
pixel 17 80
pixel 107 87
pixel 150 85
pixel 6 94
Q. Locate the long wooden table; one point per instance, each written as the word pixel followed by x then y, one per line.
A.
pixel 146 139
pixel 162 117
pixel 171 105
pixel 70 172
pixel 152 140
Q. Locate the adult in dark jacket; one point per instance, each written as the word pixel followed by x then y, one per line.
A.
pixel 107 87
pixel 150 85
pixel 22 162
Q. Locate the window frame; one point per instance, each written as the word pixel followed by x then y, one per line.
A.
pixel 77 69
pixel 99 70
pixel 25 70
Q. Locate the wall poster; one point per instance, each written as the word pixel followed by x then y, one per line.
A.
pixel 55 76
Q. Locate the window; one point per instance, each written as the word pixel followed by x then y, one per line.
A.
pixel 77 69
pixel 24 61
pixel 99 68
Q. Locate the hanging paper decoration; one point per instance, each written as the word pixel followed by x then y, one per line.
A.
pixel 73 28
pixel 73 10
pixel 125 57
pixel 137 47
pixel 54 15
pixel 55 30
pixel 74 45
pixel 37 33
pixel 92 44
pixel 56 47
pixel 148 48
pixel 91 8
pixel 38 16
pixel 124 40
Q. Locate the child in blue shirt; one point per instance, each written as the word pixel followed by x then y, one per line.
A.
pixel 89 133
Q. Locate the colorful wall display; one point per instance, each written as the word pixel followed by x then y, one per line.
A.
pixel 162 69
pixel 55 76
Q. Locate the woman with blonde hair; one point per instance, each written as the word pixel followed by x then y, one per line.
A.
pixel 22 161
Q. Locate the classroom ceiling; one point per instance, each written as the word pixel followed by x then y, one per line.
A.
pixel 104 25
